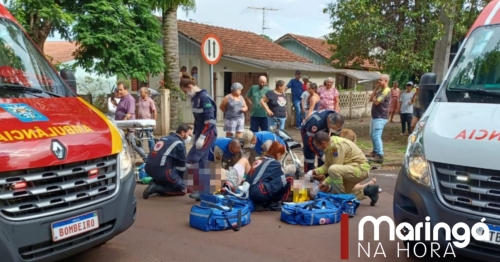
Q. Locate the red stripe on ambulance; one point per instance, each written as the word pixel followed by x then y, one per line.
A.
pixel 489 15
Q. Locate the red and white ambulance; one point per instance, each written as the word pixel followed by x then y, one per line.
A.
pixel 451 171
pixel 66 177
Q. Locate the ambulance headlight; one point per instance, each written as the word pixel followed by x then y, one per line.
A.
pixel 125 161
pixel 417 167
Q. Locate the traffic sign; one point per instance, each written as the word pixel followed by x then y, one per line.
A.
pixel 211 49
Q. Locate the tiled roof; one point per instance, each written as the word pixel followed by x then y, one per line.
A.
pixel 284 65
pixel 60 51
pixel 360 74
pixel 240 43
pixel 319 46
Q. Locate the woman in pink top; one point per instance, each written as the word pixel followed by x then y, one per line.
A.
pixel 393 106
pixel 329 96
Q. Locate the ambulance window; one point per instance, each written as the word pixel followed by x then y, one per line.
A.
pixel 478 66
pixel 23 67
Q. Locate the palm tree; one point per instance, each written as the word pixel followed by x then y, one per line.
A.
pixel 168 9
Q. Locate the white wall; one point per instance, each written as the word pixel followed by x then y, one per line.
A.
pixel 102 84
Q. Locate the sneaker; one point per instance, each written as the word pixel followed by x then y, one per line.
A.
pixel 372 192
pixel 273 206
pixel 146 193
pixel 196 196
pixel 377 159
pixel 371 154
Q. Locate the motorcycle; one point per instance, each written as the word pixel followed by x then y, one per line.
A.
pixel 290 146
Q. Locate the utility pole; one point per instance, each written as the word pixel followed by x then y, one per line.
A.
pixel 264 9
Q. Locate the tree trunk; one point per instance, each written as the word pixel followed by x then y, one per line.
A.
pixel 171 53
pixel 442 48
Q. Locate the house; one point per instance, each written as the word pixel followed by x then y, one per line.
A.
pixel 61 52
pixel 246 56
pixel 318 51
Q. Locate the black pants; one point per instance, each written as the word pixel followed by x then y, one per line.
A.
pixel 406 122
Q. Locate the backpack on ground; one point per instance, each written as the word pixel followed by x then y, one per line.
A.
pixel 220 216
pixel 348 203
pixel 311 213
pixel 210 199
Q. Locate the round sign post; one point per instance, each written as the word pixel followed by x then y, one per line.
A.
pixel 211 51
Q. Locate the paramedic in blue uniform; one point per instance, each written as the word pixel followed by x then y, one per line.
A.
pixel 166 164
pixel 205 117
pixel 260 141
pixel 225 149
pixel 325 120
pixel 269 182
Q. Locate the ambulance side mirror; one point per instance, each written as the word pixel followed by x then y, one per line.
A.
pixel 69 76
pixel 427 89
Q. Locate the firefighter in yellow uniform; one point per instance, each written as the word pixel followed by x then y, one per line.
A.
pixel 345 167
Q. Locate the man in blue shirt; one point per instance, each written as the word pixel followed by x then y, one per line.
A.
pixel 260 141
pixel 224 149
pixel 296 86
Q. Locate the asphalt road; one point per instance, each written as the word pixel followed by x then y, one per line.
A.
pixel 162 234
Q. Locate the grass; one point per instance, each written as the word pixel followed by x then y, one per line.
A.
pixel 394 142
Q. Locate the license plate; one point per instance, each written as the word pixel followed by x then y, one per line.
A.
pixel 494 235
pixel 74 226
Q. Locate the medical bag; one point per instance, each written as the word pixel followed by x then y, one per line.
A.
pixel 212 199
pixel 218 217
pixel 311 213
pixel 348 203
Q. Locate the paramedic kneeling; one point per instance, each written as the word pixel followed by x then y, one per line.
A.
pixel 345 166
pixel 166 164
pixel 269 183
pixel 225 149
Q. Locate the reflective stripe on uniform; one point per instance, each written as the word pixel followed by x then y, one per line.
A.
pixel 181 168
pixel 168 151
pixel 309 133
pixel 283 180
pixel 198 110
pixel 261 172
pixel 310 161
pixel 211 121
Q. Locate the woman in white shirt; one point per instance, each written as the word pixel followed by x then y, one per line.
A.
pixel 113 102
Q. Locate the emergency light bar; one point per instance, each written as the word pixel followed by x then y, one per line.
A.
pixel 138 123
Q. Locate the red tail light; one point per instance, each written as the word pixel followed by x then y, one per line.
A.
pixel 93 173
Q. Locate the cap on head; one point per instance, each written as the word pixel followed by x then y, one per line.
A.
pixel 236 86
pixel 247 138
pixel 298 72
pixel 305 78
pixel 409 83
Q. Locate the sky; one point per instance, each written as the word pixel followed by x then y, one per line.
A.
pixel 301 17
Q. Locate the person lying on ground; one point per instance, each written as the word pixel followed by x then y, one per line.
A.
pixel 269 182
pixel 345 167
pixel 166 164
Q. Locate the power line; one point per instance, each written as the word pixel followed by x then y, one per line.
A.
pixel 264 9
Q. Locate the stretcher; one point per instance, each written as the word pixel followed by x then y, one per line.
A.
pixel 137 123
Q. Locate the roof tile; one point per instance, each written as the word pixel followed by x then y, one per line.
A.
pixel 319 46
pixel 60 51
pixel 240 43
